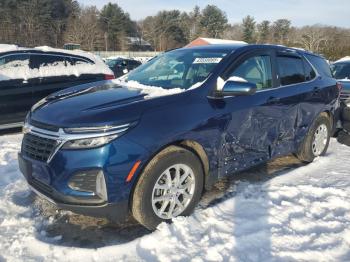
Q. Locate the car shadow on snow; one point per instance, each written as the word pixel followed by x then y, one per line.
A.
pixel 72 230
pixel 65 228
pixel 249 213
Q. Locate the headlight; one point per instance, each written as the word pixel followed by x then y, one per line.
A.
pixel 89 142
pixel 92 137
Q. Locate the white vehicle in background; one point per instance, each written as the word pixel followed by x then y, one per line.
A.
pixel 341 71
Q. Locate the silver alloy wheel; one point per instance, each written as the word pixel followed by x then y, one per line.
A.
pixel 320 140
pixel 173 191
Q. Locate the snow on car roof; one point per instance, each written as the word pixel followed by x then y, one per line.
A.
pixel 215 41
pixel 115 57
pixel 8 48
pixel 344 59
pixel 20 68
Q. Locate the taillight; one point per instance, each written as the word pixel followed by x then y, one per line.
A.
pixel 109 77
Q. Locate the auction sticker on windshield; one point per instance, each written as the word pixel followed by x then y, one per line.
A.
pixel 207 60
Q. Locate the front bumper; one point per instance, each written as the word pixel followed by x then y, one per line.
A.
pixel 115 160
pixel 117 212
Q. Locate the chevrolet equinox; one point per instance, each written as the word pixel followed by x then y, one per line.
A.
pixel 149 144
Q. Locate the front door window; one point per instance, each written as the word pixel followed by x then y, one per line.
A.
pixel 257 70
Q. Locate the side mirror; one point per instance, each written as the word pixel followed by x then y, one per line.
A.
pixel 238 88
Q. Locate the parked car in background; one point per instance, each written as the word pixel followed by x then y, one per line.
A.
pixel 121 66
pixel 28 75
pixel 341 71
pixel 150 143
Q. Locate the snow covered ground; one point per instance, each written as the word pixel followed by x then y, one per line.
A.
pixel 281 211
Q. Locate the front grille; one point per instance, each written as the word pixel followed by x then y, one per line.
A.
pixel 38 148
pixel 345 95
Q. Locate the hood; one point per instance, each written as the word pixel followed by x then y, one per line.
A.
pixel 94 104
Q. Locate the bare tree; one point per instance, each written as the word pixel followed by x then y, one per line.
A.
pixel 85 29
pixel 233 32
pixel 312 38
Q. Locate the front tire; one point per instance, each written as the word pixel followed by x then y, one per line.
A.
pixel 171 185
pixel 317 139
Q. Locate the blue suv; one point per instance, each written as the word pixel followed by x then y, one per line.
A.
pixel 149 144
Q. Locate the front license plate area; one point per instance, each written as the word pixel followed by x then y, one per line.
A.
pixel 40 173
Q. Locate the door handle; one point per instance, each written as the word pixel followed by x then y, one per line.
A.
pixel 25 82
pixel 273 99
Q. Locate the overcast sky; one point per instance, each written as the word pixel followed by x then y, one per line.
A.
pixel 300 12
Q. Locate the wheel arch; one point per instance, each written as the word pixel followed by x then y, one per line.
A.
pixel 333 122
pixel 190 145
pixel 199 151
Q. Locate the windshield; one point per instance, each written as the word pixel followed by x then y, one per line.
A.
pixel 181 68
pixel 341 70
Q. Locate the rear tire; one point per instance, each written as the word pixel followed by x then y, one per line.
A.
pixel 154 184
pixel 317 139
pixel 343 138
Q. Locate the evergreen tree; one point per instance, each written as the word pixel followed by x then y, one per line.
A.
pixel 117 24
pixel 213 21
pixel 281 29
pixel 263 31
pixel 194 26
pixel 248 24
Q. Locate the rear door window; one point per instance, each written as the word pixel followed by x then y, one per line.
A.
pixel 309 71
pixel 291 70
pixel 48 62
pixel 78 61
pixel 321 65
pixel 50 68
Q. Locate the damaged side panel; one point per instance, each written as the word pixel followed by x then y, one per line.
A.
pixel 262 128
